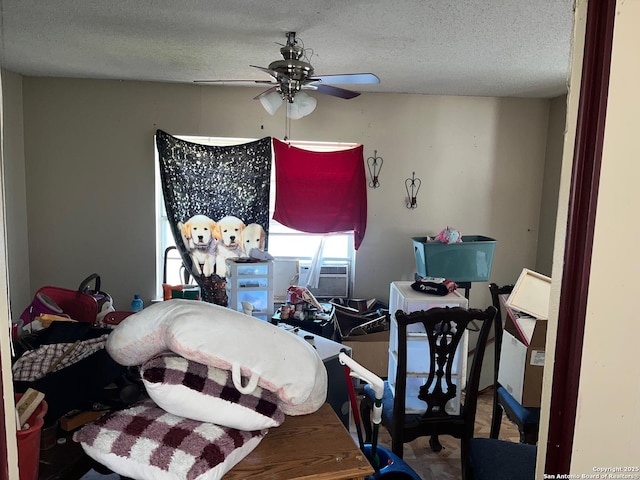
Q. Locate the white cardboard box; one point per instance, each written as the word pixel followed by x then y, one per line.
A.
pixel 522 357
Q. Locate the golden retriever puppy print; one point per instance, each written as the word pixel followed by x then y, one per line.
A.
pixel 198 236
pixel 253 236
pixel 228 233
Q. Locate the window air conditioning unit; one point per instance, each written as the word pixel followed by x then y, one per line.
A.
pixel 333 282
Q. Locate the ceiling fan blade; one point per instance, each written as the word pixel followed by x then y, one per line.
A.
pixel 232 81
pixel 347 78
pixel 273 73
pixel 333 91
pixel 266 92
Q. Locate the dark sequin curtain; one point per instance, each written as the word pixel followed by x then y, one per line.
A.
pixel 215 182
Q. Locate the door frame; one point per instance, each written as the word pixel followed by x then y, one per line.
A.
pixel 583 199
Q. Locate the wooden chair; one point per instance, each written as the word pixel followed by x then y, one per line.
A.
pixel 444 329
pixel 527 419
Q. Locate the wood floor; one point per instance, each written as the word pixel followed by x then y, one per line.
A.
pixel 445 465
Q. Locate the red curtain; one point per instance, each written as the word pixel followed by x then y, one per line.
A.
pixel 321 192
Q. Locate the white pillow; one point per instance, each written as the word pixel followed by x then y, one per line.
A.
pixel 201 392
pixel 267 355
pixel 145 442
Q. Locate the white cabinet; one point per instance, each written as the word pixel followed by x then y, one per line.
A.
pixel 251 282
pixel 403 297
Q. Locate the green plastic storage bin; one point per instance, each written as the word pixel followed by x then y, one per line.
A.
pixel 466 261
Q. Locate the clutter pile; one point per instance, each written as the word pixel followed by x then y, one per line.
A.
pixel 448 235
pixel 434 285
pixel 359 316
pixel 303 310
pixel 85 304
pixel 67 362
pixel 216 379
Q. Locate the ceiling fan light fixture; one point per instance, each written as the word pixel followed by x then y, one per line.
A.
pixel 302 105
pixel 271 102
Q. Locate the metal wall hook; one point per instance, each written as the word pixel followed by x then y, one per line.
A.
pixel 412 185
pixel 375 165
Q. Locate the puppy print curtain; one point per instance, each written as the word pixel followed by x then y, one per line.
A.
pixel 212 195
pixel 321 192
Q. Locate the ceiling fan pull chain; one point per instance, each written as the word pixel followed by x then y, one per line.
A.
pixel 287 128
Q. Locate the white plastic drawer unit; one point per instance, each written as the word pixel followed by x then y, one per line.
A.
pixel 259 299
pixel 412 404
pixel 418 353
pixel 403 297
pixel 248 269
pixel 251 283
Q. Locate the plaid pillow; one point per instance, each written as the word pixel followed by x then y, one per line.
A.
pixel 145 442
pixel 205 393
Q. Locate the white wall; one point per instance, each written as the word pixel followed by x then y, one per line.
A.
pixel 551 185
pixel 90 167
pixel 609 395
pixel 15 193
pixel 7 408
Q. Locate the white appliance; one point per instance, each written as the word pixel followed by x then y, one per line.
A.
pixel 333 282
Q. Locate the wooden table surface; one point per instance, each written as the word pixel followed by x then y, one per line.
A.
pixel 313 447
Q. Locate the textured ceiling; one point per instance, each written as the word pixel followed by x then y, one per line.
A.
pixel 515 48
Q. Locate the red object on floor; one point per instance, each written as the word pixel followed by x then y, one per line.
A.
pixel 29 442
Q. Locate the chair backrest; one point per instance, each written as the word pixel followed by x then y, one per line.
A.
pixel 173 261
pixel 444 329
pixel 496 291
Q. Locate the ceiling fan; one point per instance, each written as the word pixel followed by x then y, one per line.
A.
pixel 294 73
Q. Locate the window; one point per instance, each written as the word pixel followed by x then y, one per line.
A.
pixel 283 243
